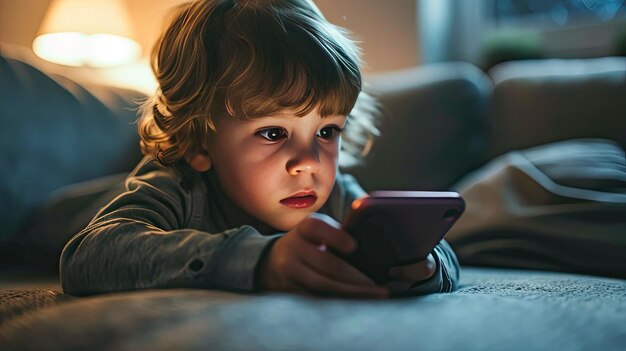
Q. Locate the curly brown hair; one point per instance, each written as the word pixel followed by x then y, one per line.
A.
pixel 247 59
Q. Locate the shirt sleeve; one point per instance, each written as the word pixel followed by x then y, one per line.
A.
pixel 141 240
pixel 446 276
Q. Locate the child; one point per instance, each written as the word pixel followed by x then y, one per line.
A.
pixel 240 188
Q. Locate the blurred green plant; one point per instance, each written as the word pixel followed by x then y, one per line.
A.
pixel 502 46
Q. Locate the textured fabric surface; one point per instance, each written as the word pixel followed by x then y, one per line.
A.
pixel 493 310
pixel 15 302
pixel 561 206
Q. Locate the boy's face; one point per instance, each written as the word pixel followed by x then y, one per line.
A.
pixel 278 169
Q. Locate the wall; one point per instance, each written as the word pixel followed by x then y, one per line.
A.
pixel 386 29
pixel 19 20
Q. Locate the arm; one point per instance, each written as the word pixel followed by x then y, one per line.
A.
pixel 446 276
pixel 147 238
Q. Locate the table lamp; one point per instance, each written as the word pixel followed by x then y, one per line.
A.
pixel 93 33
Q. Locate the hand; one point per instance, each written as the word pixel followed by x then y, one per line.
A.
pixel 301 262
pixel 402 278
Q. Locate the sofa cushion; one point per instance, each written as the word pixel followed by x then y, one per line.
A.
pixel 433 127
pixel 57 132
pixel 40 240
pixel 541 101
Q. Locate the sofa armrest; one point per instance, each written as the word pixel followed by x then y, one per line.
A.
pixel 57 132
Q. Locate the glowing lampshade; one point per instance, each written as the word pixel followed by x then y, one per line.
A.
pixel 87 33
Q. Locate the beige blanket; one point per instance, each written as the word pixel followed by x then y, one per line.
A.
pixel 561 207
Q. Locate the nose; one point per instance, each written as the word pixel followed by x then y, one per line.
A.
pixel 305 161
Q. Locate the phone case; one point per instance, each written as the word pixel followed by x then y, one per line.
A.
pixel 395 228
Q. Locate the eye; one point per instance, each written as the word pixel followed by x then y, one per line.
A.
pixel 329 132
pixel 272 134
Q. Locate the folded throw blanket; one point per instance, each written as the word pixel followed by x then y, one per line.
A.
pixel 560 206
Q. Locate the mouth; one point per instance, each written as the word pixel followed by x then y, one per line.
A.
pixel 301 199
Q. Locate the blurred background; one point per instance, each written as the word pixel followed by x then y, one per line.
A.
pixel 394 34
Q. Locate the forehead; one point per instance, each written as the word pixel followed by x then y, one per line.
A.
pixel 280 118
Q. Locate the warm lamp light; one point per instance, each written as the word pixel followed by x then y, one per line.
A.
pixel 87 33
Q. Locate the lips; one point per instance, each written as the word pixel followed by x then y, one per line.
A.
pixel 301 199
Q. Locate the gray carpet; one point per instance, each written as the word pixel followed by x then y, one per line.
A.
pixel 493 310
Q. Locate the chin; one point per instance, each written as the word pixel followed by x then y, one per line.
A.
pixel 284 227
pixel 289 223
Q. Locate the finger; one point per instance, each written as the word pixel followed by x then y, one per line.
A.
pixel 322 230
pixel 398 286
pixel 331 266
pixel 414 272
pixel 316 283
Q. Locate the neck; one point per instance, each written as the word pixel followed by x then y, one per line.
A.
pixel 233 215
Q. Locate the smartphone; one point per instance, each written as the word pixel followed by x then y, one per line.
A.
pixel 395 228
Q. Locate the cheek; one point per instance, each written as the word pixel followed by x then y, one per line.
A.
pixel 329 156
pixel 257 163
pixel 248 172
pixel 255 174
pixel 329 165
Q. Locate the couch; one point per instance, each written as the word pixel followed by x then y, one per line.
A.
pixel 444 125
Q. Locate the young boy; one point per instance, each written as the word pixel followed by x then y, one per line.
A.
pixel 240 187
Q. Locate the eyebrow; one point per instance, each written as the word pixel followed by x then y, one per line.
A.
pixel 343 119
pixel 290 117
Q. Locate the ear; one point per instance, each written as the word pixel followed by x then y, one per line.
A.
pixel 200 161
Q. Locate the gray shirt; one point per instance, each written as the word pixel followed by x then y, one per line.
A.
pixel 174 227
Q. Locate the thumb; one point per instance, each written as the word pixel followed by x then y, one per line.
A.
pixel 330 221
pixel 324 231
